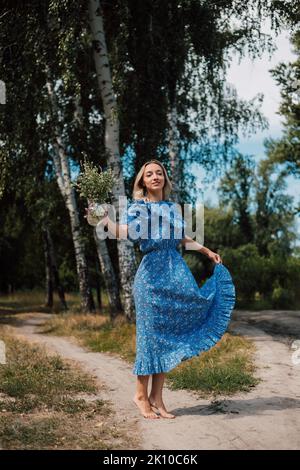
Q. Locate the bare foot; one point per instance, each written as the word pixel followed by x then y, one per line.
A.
pixel 159 406
pixel 145 408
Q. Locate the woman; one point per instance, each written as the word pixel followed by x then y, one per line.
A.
pixel 175 319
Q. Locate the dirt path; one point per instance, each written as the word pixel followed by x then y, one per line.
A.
pixel 266 418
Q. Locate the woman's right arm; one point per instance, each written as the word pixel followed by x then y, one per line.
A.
pixel 120 230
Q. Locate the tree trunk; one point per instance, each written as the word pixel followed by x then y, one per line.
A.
pixel 62 170
pixel 55 275
pixel 109 276
pixel 48 270
pixel 174 152
pixel 106 265
pixel 98 289
pixel 127 259
pixel 174 157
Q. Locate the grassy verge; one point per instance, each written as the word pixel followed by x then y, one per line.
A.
pixel 227 368
pixel 33 301
pixel 50 403
pixel 96 332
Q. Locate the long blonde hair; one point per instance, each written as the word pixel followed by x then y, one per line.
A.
pixel 139 190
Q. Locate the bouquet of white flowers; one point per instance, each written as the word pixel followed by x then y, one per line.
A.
pixel 96 187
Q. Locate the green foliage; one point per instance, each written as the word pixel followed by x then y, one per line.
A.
pixel 219 228
pixel 235 190
pixel 286 150
pixel 254 231
pixel 271 279
pixel 188 45
pixel 246 267
pixel 281 298
pixel 95 185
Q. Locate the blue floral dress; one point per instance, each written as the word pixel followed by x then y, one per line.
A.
pixel 175 319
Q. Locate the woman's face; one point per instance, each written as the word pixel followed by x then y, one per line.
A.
pixel 153 177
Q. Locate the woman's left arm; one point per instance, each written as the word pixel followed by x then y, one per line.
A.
pixel 191 244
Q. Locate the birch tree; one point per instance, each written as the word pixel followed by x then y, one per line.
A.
pixel 62 170
pixel 126 252
pixel 107 268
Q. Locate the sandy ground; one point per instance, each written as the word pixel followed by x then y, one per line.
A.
pixel 266 418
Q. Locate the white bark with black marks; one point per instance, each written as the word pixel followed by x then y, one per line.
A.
pixel 106 265
pixel 127 260
pixel 62 171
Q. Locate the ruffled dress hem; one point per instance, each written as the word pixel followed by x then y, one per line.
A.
pixel 212 329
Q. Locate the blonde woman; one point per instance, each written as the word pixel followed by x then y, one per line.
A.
pixel 175 319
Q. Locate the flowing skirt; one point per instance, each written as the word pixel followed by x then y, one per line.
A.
pixel 175 318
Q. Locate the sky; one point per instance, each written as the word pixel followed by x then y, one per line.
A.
pixel 250 78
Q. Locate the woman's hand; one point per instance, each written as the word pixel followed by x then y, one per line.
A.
pixel 104 220
pixel 214 256
pixel 93 219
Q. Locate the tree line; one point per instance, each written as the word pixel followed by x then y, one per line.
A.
pixel 120 82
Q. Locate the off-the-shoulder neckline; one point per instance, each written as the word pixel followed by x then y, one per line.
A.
pixel 152 202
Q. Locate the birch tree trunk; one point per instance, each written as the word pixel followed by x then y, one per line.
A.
pixel 98 288
pixel 62 170
pixel 108 272
pixel 174 152
pixel 107 268
pixel 127 260
pixel 174 156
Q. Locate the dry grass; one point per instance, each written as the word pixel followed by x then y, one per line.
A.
pixel 50 403
pixel 227 368
pixel 34 301
pixel 96 332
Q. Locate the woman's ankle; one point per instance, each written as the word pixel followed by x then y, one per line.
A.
pixel 140 397
pixel 155 399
